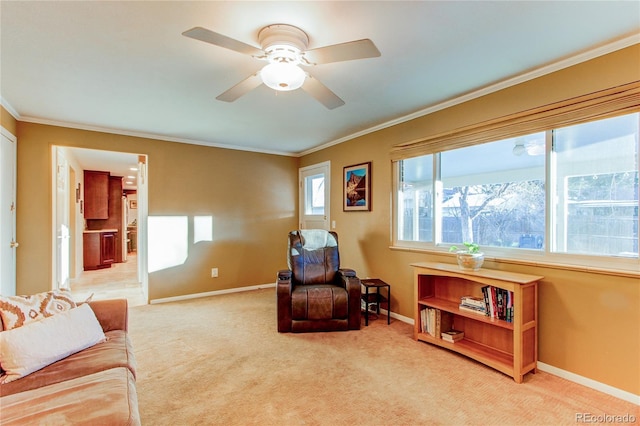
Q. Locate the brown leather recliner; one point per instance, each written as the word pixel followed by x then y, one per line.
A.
pixel 314 294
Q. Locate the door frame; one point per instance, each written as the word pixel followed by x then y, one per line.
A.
pixel 59 217
pixel 9 288
pixel 143 209
pixel 142 245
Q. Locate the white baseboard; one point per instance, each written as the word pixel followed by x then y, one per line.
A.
pixel 572 377
pixel 398 316
pixel 590 383
pixel 211 293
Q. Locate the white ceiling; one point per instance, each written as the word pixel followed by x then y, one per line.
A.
pixel 124 67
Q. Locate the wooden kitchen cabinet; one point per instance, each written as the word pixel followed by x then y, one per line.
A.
pixel 92 250
pixel 96 194
pixel 99 249
pixel 108 247
pixel 114 214
pixel 115 220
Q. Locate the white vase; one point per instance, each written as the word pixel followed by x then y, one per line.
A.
pixel 470 261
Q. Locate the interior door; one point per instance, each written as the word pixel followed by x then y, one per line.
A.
pixel 315 185
pixel 8 242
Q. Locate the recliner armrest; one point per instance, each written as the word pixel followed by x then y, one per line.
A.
pixel 284 287
pixel 352 284
pixel 284 274
pixel 347 272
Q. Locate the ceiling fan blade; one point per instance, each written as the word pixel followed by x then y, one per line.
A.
pixel 358 49
pixel 245 86
pixel 321 92
pixel 203 34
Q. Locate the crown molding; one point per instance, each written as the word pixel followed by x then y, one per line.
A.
pixel 538 72
pixel 36 120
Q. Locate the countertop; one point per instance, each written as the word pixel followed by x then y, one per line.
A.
pixel 95 231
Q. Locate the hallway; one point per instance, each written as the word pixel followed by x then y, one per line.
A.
pixel 119 281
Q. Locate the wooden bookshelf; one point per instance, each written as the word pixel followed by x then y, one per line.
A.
pixel 509 347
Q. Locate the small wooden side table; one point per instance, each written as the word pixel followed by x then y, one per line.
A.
pixel 376 297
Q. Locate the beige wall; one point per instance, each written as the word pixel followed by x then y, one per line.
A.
pixel 589 323
pixel 252 198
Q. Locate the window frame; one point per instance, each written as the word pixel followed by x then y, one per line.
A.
pixel 545 256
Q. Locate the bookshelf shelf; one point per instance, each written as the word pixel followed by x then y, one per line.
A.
pixel 499 360
pixel 449 306
pixel 509 347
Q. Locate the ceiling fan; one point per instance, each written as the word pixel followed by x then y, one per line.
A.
pixel 285 48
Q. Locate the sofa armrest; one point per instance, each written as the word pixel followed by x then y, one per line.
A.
pixel 112 314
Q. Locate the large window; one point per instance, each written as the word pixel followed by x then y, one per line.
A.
pixel 497 194
pixel 415 199
pixel 493 193
pixel 596 187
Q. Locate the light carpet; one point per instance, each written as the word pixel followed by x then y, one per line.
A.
pixel 220 361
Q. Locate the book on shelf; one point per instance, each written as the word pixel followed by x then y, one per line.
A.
pixel 498 303
pixel 493 302
pixel 452 335
pixel 428 320
pixel 473 301
pixel 473 309
pixel 433 321
pixel 473 304
pixel 424 320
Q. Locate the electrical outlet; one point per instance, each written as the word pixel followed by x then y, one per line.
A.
pixel 214 272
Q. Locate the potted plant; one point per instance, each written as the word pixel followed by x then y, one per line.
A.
pixel 471 258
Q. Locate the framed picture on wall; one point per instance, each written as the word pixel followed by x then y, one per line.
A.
pixel 357 187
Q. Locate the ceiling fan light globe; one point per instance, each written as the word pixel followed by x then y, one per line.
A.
pixel 519 149
pixel 282 76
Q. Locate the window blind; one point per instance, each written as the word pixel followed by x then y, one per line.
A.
pixel 606 103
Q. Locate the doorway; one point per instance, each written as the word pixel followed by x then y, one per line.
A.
pixel 127 276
